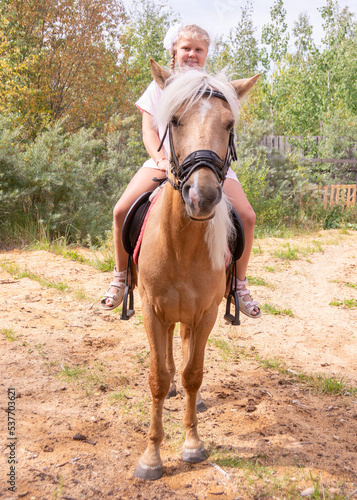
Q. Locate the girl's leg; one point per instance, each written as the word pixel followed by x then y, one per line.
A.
pixel 236 196
pixel 139 184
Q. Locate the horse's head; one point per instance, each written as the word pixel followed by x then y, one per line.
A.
pixel 200 112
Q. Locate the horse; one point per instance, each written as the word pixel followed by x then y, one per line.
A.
pixel 183 256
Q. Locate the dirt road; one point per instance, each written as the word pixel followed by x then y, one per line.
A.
pixel 82 405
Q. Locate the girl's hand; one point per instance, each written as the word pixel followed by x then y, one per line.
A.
pixel 163 165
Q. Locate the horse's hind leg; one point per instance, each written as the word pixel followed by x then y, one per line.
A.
pixel 200 404
pixel 170 363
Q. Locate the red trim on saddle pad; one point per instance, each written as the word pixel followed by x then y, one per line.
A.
pixel 141 235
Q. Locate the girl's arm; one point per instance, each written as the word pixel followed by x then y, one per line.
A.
pixel 152 141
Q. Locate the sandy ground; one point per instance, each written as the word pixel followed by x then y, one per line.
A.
pixel 76 371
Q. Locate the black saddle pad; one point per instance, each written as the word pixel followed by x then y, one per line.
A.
pixel 133 222
pixel 237 244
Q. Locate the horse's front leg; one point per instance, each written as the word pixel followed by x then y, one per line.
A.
pixel 150 464
pixel 194 343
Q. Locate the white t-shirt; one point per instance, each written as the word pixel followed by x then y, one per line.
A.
pixel 148 102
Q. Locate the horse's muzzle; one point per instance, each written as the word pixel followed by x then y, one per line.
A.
pixel 201 193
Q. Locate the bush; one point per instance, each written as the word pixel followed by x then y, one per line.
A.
pixel 65 184
pixel 273 182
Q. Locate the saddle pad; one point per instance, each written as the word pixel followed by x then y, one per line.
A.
pixel 140 238
pixel 237 244
pixel 134 221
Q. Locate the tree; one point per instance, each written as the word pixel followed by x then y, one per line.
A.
pixel 243 45
pixel 303 32
pixel 275 36
pixel 15 66
pixel 239 53
pixel 76 73
pixel 143 38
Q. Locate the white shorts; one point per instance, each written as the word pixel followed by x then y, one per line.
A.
pixel 151 164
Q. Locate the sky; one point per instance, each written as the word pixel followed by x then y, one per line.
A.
pixel 219 16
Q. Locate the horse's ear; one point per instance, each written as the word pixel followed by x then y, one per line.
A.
pixel 242 87
pixel 159 74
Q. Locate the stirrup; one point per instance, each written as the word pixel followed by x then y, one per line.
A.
pixel 233 319
pixel 127 313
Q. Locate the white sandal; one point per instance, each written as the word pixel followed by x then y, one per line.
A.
pixel 246 307
pixel 116 298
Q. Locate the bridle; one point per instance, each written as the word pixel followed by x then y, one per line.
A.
pixel 201 158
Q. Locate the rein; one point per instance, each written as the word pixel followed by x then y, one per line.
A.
pixel 202 157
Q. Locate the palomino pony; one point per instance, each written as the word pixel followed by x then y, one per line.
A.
pixel 183 254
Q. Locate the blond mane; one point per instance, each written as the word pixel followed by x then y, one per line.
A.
pixel 183 88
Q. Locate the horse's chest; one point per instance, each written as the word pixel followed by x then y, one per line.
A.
pixel 180 296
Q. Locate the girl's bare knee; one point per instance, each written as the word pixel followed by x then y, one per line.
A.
pixel 119 213
pixel 248 218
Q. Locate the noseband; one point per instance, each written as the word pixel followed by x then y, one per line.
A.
pixel 201 158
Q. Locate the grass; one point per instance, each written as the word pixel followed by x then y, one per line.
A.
pixel 257 281
pixel 257 250
pixel 88 378
pixel 228 350
pixel 286 253
pixel 270 309
pixel 351 285
pixel 61 286
pixel 257 475
pixel 270 269
pixel 60 246
pixel 19 273
pixel 349 303
pixel 9 333
pixel 143 358
pixel 333 385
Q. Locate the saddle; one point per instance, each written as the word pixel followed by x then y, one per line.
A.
pixel 132 233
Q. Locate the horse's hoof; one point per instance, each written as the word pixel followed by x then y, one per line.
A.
pixel 201 407
pixel 171 394
pixel 148 473
pixel 194 456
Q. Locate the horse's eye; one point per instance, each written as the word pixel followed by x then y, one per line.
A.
pixel 230 126
pixel 175 122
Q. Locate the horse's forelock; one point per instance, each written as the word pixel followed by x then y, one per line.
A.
pixel 183 88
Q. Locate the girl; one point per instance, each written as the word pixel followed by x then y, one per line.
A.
pixel 188 46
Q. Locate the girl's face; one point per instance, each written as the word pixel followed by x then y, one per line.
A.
pixel 191 53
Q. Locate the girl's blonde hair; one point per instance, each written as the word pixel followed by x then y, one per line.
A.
pixel 190 31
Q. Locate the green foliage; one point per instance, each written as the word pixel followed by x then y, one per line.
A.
pixel 143 39
pixel 275 35
pixel 340 136
pixel 335 217
pixel 240 53
pixel 65 183
pixel 273 182
pixel 275 311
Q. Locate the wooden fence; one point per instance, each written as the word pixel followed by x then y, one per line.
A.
pixel 336 194
pixel 283 144
pixel 287 144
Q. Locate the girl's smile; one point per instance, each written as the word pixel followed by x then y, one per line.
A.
pixel 191 53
